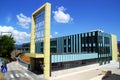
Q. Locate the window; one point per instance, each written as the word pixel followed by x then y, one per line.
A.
pixel 82 35
pixel 53 50
pixel 93 33
pixel 69 41
pixel 69 49
pixel 53 43
pixel 85 34
pixel 41 50
pixel 82 45
pixel 89 34
pixel 64 41
pixel 65 50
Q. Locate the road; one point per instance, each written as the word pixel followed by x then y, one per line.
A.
pixel 19 72
pixel 16 72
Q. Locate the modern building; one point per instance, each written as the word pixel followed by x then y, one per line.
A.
pixel 78 49
pixel 68 51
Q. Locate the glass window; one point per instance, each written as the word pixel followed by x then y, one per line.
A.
pixel 94 44
pixel 64 49
pixel 82 35
pixel 82 45
pixel 64 41
pixel 86 45
pixel 69 41
pixel 90 44
pixel 93 33
pixel 69 49
pixel 85 34
pixel 53 43
pixel 39 29
pixel 89 33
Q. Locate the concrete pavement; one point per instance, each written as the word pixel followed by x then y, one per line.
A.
pixel 19 72
pixel 89 72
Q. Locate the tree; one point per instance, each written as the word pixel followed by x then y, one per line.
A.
pixel 6 45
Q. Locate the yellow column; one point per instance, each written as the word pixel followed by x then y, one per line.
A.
pixel 114 47
pixel 32 44
pixel 47 41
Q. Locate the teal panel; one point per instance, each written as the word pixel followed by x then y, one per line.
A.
pixel 71 44
pixel 77 43
pixel 67 44
pixel 74 44
pixel 73 57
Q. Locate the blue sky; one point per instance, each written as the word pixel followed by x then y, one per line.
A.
pixel 67 17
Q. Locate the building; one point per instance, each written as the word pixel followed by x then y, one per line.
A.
pixel 89 43
pixel 84 43
pixel 68 51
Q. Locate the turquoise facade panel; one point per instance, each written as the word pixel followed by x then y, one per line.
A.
pixel 72 57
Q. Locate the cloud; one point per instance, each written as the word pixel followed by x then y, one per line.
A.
pixel 23 21
pixel 51 36
pixel 56 33
pixel 61 17
pixel 19 36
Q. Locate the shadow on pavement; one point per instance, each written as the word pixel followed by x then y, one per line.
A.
pixel 36 72
pixel 111 77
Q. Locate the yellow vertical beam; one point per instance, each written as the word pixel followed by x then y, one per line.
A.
pixel 47 41
pixel 114 47
pixel 46 52
pixel 32 42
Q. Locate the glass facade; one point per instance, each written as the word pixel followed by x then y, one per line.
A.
pixel 72 57
pixel 39 31
pixel 85 43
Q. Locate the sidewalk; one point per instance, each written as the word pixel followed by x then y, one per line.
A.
pixel 35 76
pixel 94 71
pixel 73 71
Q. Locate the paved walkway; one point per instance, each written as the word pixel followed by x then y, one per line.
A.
pixel 35 76
pixel 73 71
pixel 90 72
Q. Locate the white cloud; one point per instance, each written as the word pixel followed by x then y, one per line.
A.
pixel 51 36
pixel 61 17
pixel 56 33
pixel 23 21
pixel 20 37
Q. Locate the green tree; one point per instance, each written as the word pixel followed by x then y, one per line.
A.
pixel 6 46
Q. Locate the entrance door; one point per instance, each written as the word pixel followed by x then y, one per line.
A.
pixel 39 65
